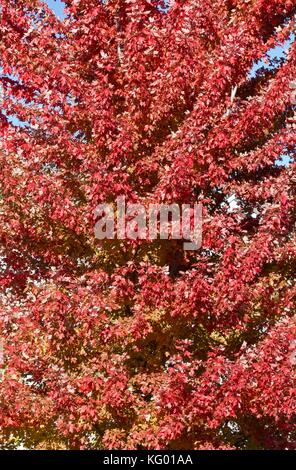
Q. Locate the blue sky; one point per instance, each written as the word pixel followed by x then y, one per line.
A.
pixel 57 6
pixel 278 52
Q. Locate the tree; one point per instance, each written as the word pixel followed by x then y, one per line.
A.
pixel 136 344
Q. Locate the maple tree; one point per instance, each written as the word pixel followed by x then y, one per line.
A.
pixel 135 344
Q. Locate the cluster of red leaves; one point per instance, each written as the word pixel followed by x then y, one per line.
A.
pixel 118 344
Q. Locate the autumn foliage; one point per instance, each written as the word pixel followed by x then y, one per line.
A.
pixel 121 344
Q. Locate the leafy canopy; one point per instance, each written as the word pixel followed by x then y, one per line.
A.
pixel 130 344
